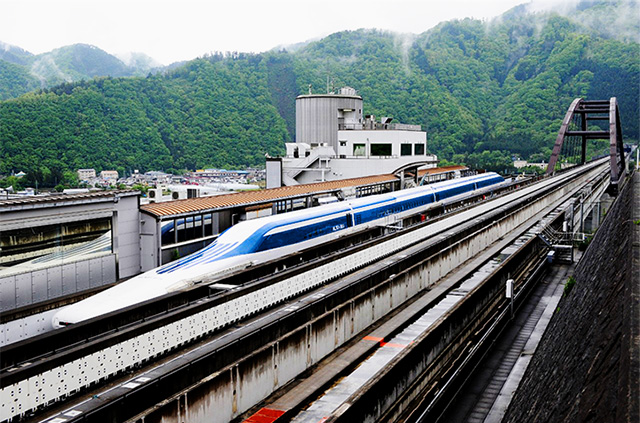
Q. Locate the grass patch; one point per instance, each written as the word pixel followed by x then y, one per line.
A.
pixel 582 245
pixel 569 285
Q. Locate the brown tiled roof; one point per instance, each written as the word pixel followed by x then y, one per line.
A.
pixel 171 208
pixel 443 169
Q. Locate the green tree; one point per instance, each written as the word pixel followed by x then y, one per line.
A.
pixel 482 90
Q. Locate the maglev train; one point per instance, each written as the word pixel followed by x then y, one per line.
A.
pixel 259 240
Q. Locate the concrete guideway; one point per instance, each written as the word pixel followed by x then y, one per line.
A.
pixel 340 362
pixel 361 259
pixel 539 318
pixel 486 395
pixel 295 398
pixel 336 321
pixel 586 366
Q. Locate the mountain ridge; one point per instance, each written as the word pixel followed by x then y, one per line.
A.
pixel 484 91
pixel 614 19
pixel 65 64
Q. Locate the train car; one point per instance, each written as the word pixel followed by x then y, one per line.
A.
pixel 259 240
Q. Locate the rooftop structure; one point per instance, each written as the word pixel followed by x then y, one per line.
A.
pixel 320 116
pixel 334 141
pixel 174 208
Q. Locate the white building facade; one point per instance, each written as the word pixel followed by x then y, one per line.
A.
pixel 334 141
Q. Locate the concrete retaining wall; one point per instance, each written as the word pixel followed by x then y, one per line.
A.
pixel 586 366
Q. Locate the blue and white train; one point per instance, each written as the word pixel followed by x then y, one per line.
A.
pixel 259 240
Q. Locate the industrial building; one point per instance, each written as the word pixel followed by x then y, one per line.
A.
pixel 334 141
pixel 52 246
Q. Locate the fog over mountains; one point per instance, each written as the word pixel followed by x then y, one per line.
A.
pixel 484 91
pixel 22 71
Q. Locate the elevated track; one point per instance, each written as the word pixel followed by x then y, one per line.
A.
pixel 192 337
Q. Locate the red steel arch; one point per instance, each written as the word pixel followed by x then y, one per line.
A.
pixel 589 111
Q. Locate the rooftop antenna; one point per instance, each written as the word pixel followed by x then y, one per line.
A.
pixel 330 86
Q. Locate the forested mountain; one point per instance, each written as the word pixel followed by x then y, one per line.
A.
pixel 21 71
pixel 15 55
pixel 484 91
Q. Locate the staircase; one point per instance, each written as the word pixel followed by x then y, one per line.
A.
pixel 561 243
pixel 294 167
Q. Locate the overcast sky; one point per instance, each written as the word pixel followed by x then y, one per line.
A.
pixel 176 30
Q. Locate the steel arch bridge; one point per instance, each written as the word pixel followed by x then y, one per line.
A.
pixel 576 130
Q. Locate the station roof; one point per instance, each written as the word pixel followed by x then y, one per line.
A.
pixel 203 204
pixel 177 207
pixel 55 200
pixel 443 169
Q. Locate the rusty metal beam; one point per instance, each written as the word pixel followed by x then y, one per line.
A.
pixel 590 110
pixel 589 134
pixel 583 127
pixel 616 147
pixel 561 134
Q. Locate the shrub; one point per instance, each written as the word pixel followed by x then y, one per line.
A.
pixel 569 285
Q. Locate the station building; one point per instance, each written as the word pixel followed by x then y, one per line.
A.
pixel 58 245
pixel 52 246
pixel 335 141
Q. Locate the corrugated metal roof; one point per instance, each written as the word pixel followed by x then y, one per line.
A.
pixel 443 169
pixel 170 208
pixel 191 205
pixel 61 198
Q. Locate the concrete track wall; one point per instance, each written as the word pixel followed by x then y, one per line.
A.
pixel 228 393
pixel 420 365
